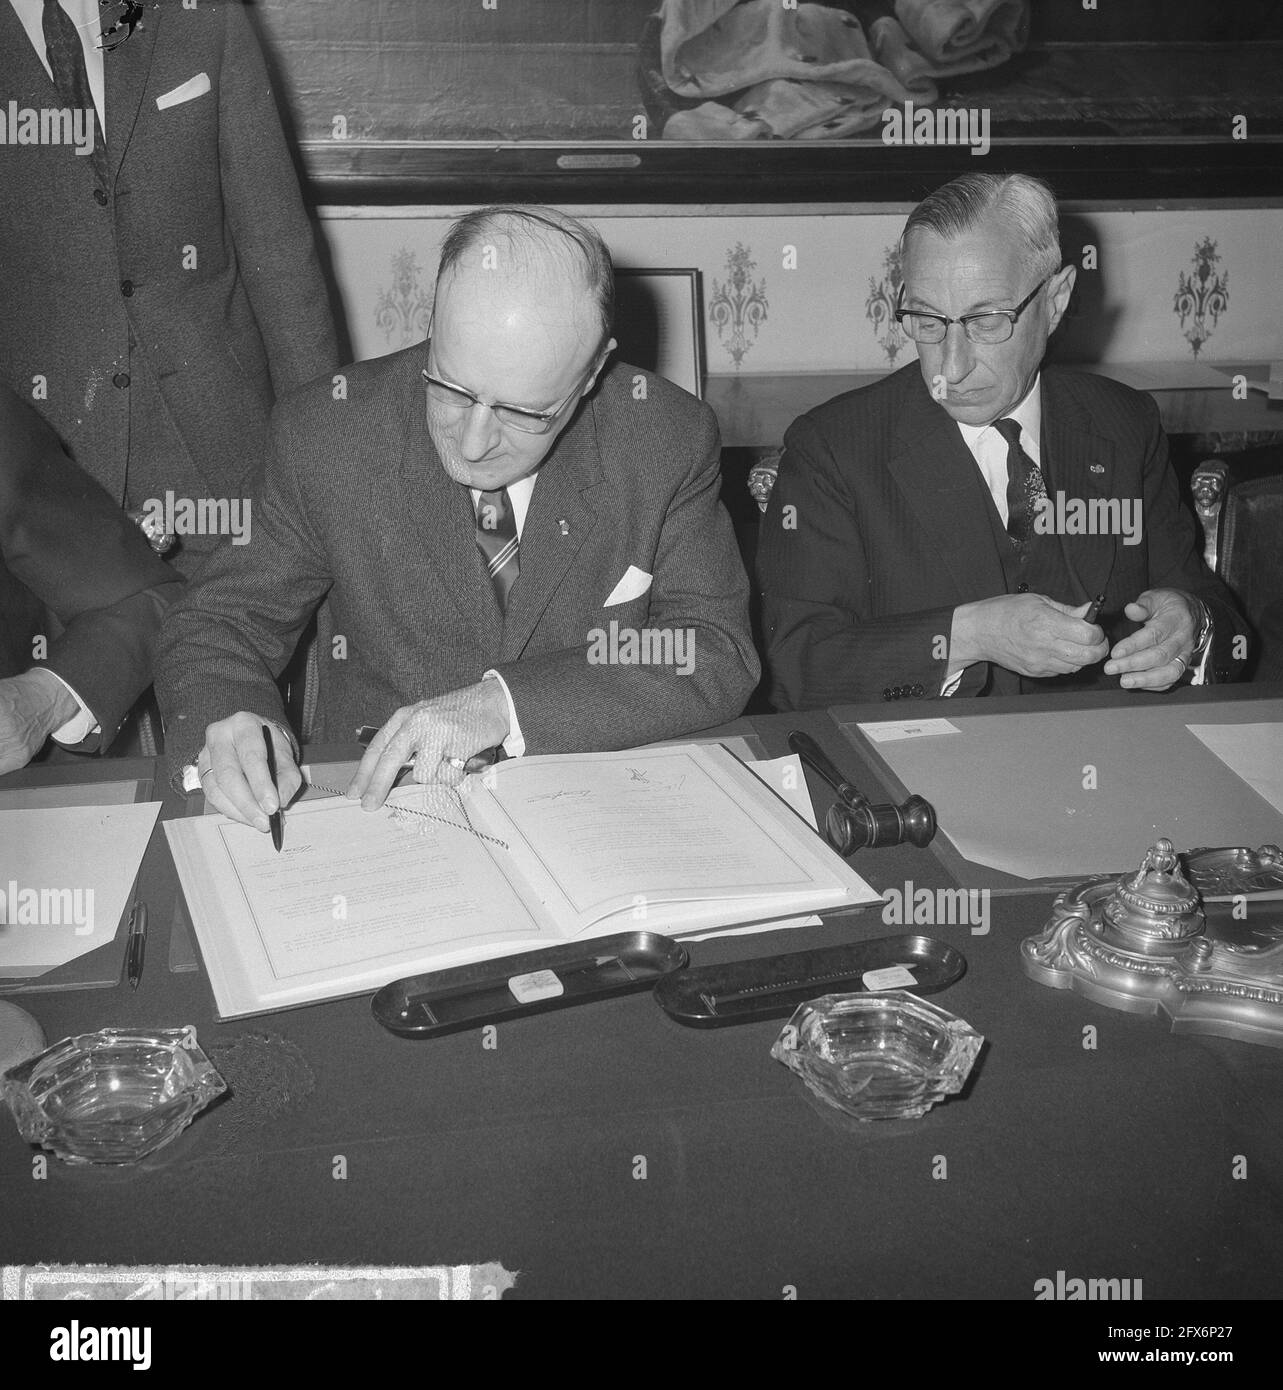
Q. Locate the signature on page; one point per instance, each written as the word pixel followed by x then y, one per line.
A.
pixel 656 783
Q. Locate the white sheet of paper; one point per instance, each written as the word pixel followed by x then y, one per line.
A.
pixel 80 863
pixel 663 828
pixel 785 778
pixel 352 894
pixel 1252 751
pixel 892 730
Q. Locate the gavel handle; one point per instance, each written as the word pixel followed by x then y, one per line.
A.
pixel 814 756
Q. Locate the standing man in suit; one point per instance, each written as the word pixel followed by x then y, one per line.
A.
pixel 518 546
pixel 161 289
pixel 81 598
pixel 946 530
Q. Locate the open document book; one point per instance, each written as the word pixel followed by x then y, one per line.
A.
pixel 572 846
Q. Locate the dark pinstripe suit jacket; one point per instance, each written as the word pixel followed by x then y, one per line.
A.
pixel 75 571
pixel 895 528
pixel 84 266
pixel 356 509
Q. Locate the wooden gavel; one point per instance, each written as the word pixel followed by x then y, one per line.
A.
pixel 853 821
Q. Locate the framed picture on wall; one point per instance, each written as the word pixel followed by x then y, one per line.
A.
pixel 659 324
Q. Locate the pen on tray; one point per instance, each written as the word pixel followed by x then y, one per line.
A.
pixel 275 820
pixel 136 948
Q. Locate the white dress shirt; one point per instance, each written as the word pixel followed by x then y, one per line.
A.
pixel 85 15
pixel 80 725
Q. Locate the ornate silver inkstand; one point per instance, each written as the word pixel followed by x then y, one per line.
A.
pixel 1141 943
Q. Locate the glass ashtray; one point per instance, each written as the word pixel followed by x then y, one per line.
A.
pixel 887 1056
pixel 112 1096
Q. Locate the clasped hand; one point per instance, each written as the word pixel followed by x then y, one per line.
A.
pixel 1038 637
pixel 1027 633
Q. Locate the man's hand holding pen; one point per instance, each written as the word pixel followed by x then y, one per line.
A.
pixel 248 768
pixel 1036 636
pixel 1028 633
pixel 438 737
pixel 235 774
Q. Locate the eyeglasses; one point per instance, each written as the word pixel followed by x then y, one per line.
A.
pixel 990 326
pixel 517 417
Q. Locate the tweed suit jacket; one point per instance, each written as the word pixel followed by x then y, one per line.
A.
pixel 356 509
pixel 198 248
pixel 74 572
pixel 892 527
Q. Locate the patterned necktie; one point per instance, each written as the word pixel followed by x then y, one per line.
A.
pixel 1025 486
pixel 71 77
pixel 497 541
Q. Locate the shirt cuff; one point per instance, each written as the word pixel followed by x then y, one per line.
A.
pixel 78 728
pixel 951 682
pixel 515 744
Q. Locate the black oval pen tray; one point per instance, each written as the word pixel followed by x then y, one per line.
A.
pixel 772 987
pixel 493 991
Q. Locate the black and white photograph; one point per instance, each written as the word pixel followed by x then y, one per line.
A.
pixel 641 659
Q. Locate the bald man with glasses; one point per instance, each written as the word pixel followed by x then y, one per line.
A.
pixel 979 522
pixel 470 516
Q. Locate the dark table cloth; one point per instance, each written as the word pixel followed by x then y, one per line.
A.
pixel 606 1151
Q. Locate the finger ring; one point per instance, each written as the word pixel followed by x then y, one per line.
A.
pixel 1181 659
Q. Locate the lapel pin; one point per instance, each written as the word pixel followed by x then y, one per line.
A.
pixel 564 526
pixel 1096 467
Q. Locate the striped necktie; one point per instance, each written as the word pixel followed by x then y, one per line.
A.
pixel 497 541
pixel 71 76
pixel 1025 486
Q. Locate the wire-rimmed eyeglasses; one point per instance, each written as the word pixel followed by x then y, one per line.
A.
pixel 987 326
pixel 517 417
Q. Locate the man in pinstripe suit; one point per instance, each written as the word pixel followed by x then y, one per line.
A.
pixel 949 530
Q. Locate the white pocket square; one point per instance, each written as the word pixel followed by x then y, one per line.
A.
pixel 633 585
pixel 188 91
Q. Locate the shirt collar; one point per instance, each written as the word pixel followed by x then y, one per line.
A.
pixel 1028 415
pixel 522 488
